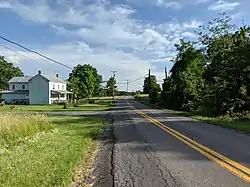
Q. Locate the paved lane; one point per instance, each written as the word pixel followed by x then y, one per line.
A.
pixel 145 155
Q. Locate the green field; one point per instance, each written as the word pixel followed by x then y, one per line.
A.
pixel 47 154
pixel 223 121
pixel 98 106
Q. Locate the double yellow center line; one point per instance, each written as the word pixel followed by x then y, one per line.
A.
pixel 232 166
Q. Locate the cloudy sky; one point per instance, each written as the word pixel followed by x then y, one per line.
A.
pixel 129 36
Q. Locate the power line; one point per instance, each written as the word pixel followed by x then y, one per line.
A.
pixel 121 83
pixel 41 55
pixel 18 54
pixel 138 79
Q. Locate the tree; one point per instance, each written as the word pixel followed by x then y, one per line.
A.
pixel 183 89
pixel 227 74
pixel 102 92
pixel 214 78
pixel 84 81
pixel 152 88
pixel 150 83
pixel 98 82
pixel 7 71
pixel 111 87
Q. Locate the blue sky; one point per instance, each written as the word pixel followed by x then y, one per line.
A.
pixel 130 36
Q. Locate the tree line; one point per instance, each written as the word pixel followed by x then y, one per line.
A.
pixel 210 75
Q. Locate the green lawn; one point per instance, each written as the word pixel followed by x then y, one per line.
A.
pixel 49 158
pixel 227 122
pixel 99 106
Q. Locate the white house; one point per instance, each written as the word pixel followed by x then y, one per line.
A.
pixel 39 89
pixel 18 90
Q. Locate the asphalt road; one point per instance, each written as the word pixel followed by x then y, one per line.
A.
pixel 144 155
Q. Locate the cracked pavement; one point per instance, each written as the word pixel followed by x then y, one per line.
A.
pixel 141 154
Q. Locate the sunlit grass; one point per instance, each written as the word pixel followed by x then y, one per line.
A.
pixel 15 126
pixel 47 158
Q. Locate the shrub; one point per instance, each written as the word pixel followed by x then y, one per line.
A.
pixel 91 101
pixel 65 105
pixel 82 101
pixel 13 107
pixel 75 105
pixel 153 96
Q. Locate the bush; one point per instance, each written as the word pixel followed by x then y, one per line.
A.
pixel 153 96
pixel 13 107
pixel 82 101
pixel 75 105
pixel 65 105
pixel 91 101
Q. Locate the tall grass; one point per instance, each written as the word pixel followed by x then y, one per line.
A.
pixel 50 158
pixel 16 126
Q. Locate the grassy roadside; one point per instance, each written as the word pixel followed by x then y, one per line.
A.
pixel 98 106
pixel 238 124
pixel 48 157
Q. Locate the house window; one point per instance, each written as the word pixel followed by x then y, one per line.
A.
pixel 13 87
pixel 58 86
pixel 23 86
pixel 62 86
pixel 53 86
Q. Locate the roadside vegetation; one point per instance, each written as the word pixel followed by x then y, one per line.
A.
pixel 237 123
pixel 210 77
pixel 36 150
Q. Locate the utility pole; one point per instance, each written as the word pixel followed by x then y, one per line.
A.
pixel 166 73
pixel 114 71
pixel 127 84
pixel 149 75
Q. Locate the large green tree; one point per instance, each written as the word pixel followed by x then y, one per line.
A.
pixel 84 81
pixel 149 83
pixel 228 70
pixel 7 71
pixel 152 88
pixel 184 87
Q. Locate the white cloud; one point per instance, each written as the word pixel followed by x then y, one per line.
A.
pixel 202 1
pixel 192 24
pixel 237 16
pixel 109 37
pixel 189 34
pixel 104 59
pixel 5 4
pixel 169 4
pixel 221 5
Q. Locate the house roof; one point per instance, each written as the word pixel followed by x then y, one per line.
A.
pixel 24 79
pixel 54 79
pixel 50 78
